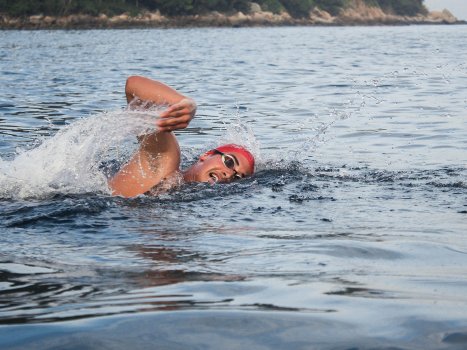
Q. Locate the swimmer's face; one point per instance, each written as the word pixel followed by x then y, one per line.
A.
pixel 218 167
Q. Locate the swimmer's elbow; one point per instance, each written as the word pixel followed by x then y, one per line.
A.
pixel 131 82
pixel 117 190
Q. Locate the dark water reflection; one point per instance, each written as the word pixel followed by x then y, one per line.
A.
pixel 350 235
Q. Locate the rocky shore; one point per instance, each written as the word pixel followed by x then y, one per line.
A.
pixel 358 14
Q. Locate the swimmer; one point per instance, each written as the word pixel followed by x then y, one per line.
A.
pixel 156 163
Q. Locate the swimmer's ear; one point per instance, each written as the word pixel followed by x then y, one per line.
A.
pixel 205 155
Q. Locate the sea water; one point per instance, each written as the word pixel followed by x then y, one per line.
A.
pixel 351 234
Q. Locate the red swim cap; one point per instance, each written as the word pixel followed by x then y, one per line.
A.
pixel 240 149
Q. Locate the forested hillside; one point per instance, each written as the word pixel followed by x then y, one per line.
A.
pixel 296 8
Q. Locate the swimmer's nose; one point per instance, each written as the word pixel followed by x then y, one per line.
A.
pixel 228 174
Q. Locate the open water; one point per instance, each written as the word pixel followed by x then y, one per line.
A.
pixel 351 235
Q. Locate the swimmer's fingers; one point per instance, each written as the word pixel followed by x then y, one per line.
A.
pixel 177 116
pixel 185 106
pixel 171 128
pixel 174 123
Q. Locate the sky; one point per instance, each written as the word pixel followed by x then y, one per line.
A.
pixel 457 7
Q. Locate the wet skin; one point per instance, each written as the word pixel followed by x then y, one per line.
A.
pixel 158 157
pixel 211 168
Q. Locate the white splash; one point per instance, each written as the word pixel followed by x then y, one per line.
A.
pixel 241 134
pixel 69 162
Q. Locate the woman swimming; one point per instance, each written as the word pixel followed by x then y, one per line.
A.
pixel 157 160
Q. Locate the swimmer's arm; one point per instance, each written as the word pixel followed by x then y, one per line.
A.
pixel 157 158
pixel 181 109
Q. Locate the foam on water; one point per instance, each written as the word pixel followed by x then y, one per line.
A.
pixel 73 160
pixel 240 133
pixel 69 162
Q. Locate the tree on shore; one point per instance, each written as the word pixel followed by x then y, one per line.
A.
pixel 401 7
pixel 296 8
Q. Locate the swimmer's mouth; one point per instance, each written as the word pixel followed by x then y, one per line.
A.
pixel 214 177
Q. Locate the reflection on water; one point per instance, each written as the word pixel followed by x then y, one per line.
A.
pixel 351 233
pixel 115 264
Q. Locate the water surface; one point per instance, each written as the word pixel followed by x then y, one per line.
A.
pixel 350 235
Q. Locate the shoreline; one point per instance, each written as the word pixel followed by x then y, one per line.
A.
pixel 350 17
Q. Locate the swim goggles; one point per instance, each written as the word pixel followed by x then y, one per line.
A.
pixel 229 162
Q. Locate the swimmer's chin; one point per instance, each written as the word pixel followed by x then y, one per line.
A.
pixel 193 176
pixel 213 178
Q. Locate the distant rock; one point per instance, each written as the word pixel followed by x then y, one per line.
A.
pixel 321 17
pixel 362 13
pixel 254 7
pixel 442 16
pixel 119 19
pixel 156 16
pixel 37 19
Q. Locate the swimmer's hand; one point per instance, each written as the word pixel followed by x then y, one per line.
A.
pixel 177 116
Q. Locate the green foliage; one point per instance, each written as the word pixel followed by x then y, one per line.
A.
pixel 173 7
pixel 63 7
pixel 373 3
pixel 241 5
pixel 189 7
pixel 403 7
pixel 331 6
pixel 273 6
pixel 19 8
pixel 296 8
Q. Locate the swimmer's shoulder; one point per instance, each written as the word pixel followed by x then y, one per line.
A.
pixel 157 158
pixel 163 152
